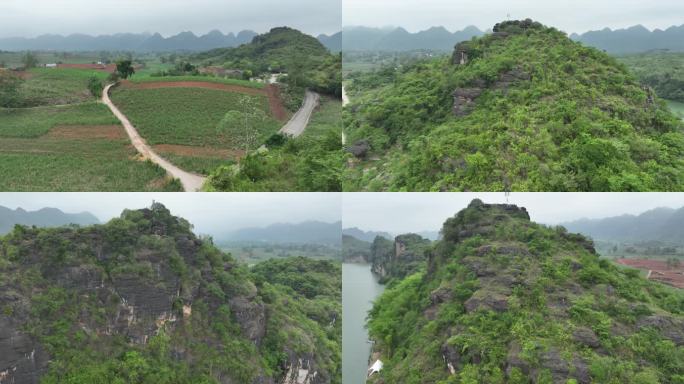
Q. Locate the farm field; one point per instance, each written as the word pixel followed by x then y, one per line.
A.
pixel 326 118
pixel 73 148
pixel 198 129
pixel 658 270
pixel 55 86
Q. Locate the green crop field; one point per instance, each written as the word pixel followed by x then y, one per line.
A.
pixel 193 116
pixel 35 122
pixel 196 164
pixel 32 160
pixel 13 59
pixel 49 86
pixel 145 77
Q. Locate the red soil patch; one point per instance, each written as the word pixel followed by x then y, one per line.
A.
pixel 192 151
pixel 275 102
pixel 660 270
pixel 194 84
pixel 111 132
pixel 271 91
pixel 100 67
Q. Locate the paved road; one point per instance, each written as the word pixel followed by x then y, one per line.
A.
pixel 190 181
pixel 300 120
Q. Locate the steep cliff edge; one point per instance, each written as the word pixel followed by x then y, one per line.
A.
pixel 142 299
pixel 504 300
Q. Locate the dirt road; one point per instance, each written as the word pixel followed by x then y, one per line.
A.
pixel 301 118
pixel 190 181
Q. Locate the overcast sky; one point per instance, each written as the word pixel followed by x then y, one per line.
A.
pixel 35 17
pixel 211 213
pixel 399 213
pixel 567 15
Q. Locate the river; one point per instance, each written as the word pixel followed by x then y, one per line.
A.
pixel 359 289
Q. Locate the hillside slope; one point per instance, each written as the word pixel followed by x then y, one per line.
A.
pixel 504 300
pixel 141 299
pixel 523 108
pixel 46 217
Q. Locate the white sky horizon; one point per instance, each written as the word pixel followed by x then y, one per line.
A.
pixel 577 16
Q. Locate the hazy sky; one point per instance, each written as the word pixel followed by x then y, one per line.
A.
pixel 34 17
pixel 567 15
pixel 413 212
pixel 211 213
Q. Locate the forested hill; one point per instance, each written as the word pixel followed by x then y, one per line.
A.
pixel 522 108
pixel 662 224
pixel 46 217
pixel 635 39
pixel 502 299
pixel 141 299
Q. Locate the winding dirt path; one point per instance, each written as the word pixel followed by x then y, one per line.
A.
pixel 190 181
pixel 300 119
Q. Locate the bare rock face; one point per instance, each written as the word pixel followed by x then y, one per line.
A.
pixel 464 100
pixel 251 316
pixel 587 337
pixel 461 53
pixel 561 370
pixel 359 149
pixel 487 301
pixel 669 327
pixel 303 370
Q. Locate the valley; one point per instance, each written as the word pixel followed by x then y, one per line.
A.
pixel 199 119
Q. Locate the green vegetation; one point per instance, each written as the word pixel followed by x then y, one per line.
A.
pixel 255 252
pixel 209 79
pixel 311 162
pixel 35 122
pixel 141 299
pixel 32 159
pixel 193 116
pixel 534 111
pixel 677 108
pixel 306 61
pixel 48 86
pixel 355 250
pixel 663 71
pixel 504 300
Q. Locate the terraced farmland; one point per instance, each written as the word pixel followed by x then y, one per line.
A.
pixel 198 126
pixel 72 148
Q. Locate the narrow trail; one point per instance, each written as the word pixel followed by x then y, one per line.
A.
pixel 300 119
pixel 190 181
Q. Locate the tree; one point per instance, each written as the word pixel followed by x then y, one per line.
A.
pixel 95 86
pixel 29 60
pixel 124 68
pixel 9 89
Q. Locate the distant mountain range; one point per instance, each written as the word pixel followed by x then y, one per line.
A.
pixel 332 42
pixel 309 232
pixel 46 217
pixel 368 236
pixel 143 42
pixel 399 39
pixel 630 40
pixel 634 39
pixel 661 224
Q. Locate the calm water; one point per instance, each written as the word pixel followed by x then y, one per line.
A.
pixel 677 108
pixel 359 289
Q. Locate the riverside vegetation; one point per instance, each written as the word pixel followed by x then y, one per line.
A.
pixel 523 108
pixel 501 299
pixel 141 299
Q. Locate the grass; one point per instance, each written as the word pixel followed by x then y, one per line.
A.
pixel 146 78
pixel 51 164
pixel 31 161
pixel 50 86
pixel 189 116
pixel 677 108
pixel 199 165
pixel 327 117
pixel 35 122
